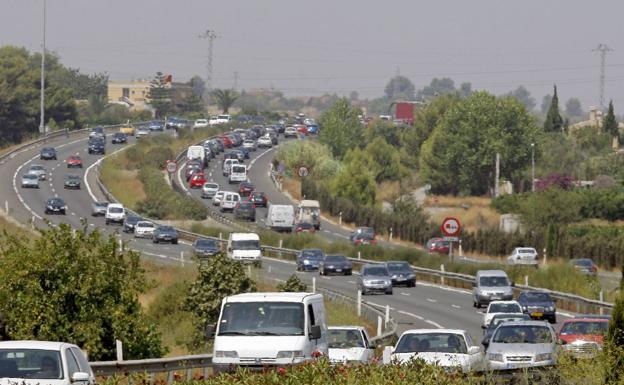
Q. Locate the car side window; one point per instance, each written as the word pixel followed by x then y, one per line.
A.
pixel 82 360
pixel 311 315
pixel 366 342
pixel 72 364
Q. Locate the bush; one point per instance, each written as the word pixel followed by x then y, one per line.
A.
pixel 293 284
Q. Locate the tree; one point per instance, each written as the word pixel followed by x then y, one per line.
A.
pixel 523 96
pixel 342 129
pixel 546 100
pixel 355 181
pixel 458 157
pixel 554 121
pixel 438 87
pixel 78 287
pixel 385 160
pixel 218 278
pixel 159 95
pixel 465 90
pixel 225 98
pixel 614 342
pixel 293 285
pixel 198 85
pixel 399 87
pixel 354 96
pixel 609 123
pixel 573 108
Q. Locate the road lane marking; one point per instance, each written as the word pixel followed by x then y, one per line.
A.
pixel 432 300
pixel 411 315
pixel 456 306
pixel 455 290
pixel 430 322
pixel 353 282
pixel 86 174
pixel 405 294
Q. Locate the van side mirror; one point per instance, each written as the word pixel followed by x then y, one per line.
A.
pixel 485 343
pixel 79 377
pixel 210 331
pixel 474 350
pixel 315 332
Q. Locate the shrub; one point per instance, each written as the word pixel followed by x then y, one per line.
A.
pixel 293 284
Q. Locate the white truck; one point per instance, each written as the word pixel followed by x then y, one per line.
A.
pixel 280 217
pixel 238 173
pixel 244 247
pixel 309 211
pixel 256 330
pixel 196 153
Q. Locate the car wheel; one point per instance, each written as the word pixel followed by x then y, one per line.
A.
pixel 389 292
pixel 174 242
pixel 553 320
pixel 107 222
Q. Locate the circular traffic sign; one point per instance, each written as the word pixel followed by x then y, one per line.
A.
pixel 303 171
pixel 171 166
pixel 450 227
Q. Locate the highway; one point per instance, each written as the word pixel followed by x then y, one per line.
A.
pixel 425 306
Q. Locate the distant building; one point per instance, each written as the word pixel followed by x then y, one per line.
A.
pixel 132 93
pixel 595 120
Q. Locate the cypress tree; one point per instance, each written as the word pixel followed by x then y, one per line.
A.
pixel 615 342
pixel 609 124
pixel 554 121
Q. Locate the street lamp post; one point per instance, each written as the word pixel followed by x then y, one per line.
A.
pixel 532 167
pixel 42 91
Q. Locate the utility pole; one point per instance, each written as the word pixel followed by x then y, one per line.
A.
pixel 496 175
pixel 602 49
pixel 42 128
pixel 210 35
pixel 532 167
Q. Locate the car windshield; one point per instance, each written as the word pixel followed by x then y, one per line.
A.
pixel 506 318
pixel 101 204
pixel 31 364
pixel 47 149
pixel 72 177
pixel 376 271
pixel 526 251
pixel 522 334
pixel 537 297
pixel 583 262
pixel 248 244
pixel 344 339
pixel 115 210
pixel 30 176
pixel 262 319
pixel 585 327
pixel 432 342
pixel 312 253
pixel 211 186
pixel 205 243
pixel 246 205
pixel 36 167
pixel 145 224
pixel 335 258
pixel 504 308
pixel 398 266
pixel 132 219
pixel 168 229
pixel 494 281
pixel 56 201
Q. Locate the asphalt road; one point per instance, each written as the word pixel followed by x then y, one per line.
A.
pixel 425 306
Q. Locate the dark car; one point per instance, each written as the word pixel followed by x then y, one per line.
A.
pixel 438 246
pixel 71 181
pixel 362 230
pixel 245 210
pixel 191 168
pixel 309 259
pixel 259 198
pixel 401 273
pixel 243 151
pixel 497 320
pixel 335 264
pixel 585 266
pixel 364 239
pixel 273 136
pixel 165 234
pixel 156 125
pixel 206 247
pixel 305 227
pixel 130 222
pixel 55 206
pixel 47 153
pixel 538 305
pixel 245 189
pixel 232 155
pixel 119 137
pixel 97 146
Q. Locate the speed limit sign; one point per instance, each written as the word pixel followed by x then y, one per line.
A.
pixel 450 227
pixel 171 166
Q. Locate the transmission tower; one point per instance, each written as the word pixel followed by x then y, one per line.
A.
pixel 602 49
pixel 210 35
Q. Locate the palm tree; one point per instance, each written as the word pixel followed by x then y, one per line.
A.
pixel 225 98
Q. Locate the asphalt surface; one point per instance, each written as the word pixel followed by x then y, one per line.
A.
pixel 425 306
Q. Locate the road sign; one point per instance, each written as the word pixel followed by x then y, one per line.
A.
pixel 171 166
pixel 450 227
pixel 303 171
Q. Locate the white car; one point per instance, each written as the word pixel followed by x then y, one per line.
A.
pixel 38 170
pixel 249 144
pixel 451 349
pixel 115 213
pixel 349 344
pixel 144 229
pixel 498 307
pixel 229 201
pixel 523 256
pixel 200 123
pixel 290 132
pixel 265 141
pixel 43 362
pixel 209 190
pixel 30 180
pixel 142 131
pixel 216 199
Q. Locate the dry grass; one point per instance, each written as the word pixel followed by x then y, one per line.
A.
pixel 123 184
pixel 388 191
pixel 293 186
pixel 12 227
pixel 160 277
pixel 473 212
pixel 453 201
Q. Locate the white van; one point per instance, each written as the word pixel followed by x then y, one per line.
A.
pixel 256 330
pixel 115 213
pixel 229 201
pixel 196 152
pixel 309 211
pixel 238 173
pixel 280 217
pixel 227 164
pixel 244 247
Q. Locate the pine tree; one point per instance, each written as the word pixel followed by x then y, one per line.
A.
pixel 609 123
pixel 614 342
pixel 554 121
pixel 159 95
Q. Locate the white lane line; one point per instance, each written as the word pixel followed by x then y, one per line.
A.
pixel 74 214
pixel 405 294
pixel 19 196
pixel 324 277
pixel 411 315
pixel 455 290
pixel 432 300
pixel 430 322
pixel 456 306
pixel 86 174
pixel 353 282
pixel 565 314
pixel 258 157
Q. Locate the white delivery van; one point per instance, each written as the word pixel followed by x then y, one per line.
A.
pixel 229 201
pixel 309 211
pixel 238 173
pixel 280 217
pixel 197 153
pixel 256 330
pixel 227 164
pixel 244 247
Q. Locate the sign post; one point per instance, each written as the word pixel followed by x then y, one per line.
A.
pixel 171 166
pixel 451 228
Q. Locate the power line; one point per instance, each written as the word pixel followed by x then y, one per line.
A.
pixel 603 49
pixel 210 35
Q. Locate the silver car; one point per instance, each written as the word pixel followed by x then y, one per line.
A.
pixel 374 278
pixel 522 344
pixel 99 208
pixel 30 180
pixel 249 144
pixel 209 190
pixel 38 170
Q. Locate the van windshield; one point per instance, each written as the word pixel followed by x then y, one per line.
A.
pixel 262 319
pixel 35 364
pixel 493 281
pixel 246 245
pixel 238 169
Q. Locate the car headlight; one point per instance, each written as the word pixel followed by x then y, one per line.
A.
pixel 50 207
pixel 524 308
pixel 289 354
pixel 306 262
pixel 551 308
pixel 330 266
pixel 498 357
pixel 226 353
pixel 411 275
pixel 543 357
pixel 394 276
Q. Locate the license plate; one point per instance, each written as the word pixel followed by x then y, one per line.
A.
pixel 537 314
pixel 56 209
pixel 338 270
pixel 496 298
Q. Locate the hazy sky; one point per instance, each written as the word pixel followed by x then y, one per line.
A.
pixel 339 46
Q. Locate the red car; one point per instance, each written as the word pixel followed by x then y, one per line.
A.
pixel 582 335
pixel 227 142
pixel 438 246
pixel 245 189
pixel 74 161
pixel 302 129
pixel 259 198
pixel 197 180
pixel 305 227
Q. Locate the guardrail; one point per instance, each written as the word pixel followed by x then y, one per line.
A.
pixel 152 367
